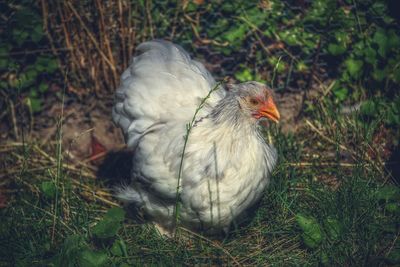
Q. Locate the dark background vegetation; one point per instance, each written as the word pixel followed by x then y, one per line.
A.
pixel 335 68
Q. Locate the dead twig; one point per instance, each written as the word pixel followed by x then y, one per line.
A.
pixel 321 164
pixel 149 19
pixel 13 119
pixel 87 195
pixel 91 37
pixel 8 173
pixel 46 29
pixel 105 40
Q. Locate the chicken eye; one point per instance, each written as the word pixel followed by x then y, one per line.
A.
pixel 254 101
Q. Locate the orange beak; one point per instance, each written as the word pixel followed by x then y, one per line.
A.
pixel 269 111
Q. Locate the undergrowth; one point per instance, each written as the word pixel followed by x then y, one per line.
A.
pixel 334 197
pixel 301 220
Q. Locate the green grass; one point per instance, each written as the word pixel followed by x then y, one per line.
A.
pixel 304 219
pixel 331 201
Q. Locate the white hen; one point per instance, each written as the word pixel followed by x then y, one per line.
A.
pixel 227 163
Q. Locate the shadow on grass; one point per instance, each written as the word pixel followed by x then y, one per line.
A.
pixel 116 168
pixel 114 171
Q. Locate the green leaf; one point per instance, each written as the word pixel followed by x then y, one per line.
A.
pixel 324 258
pixel 191 7
pixel 394 256
pixel 90 258
pixel 52 65
pixel 339 46
pixel 306 223
pixel 370 55
pixel 48 189
pixel 333 228
pixel 396 75
pixel 116 214
pixel 110 224
pixel 369 108
pixel 25 79
pixel 341 37
pixel 388 193
pixel 381 40
pixel 301 66
pixel 26 18
pixel 393 39
pixel 34 103
pixel 20 36
pixel 354 67
pixel 70 251
pixel 290 37
pixel 379 74
pixel 256 16
pixel 106 228
pixel 37 33
pixel 312 234
pixel 43 87
pixel 236 33
pixel 119 248
pixel 392 207
pixel 3 63
pixel 277 64
pixel 4 50
pixel 311 240
pixel 3 85
pixel 46 64
pixel 341 93
pixel 31 74
pixel 379 8
pixel 336 49
pixel 393 113
pixel 244 75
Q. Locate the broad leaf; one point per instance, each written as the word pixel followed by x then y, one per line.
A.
pixel 312 234
pixel 90 258
pixel 354 67
pixel 48 189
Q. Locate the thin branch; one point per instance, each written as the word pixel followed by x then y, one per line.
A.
pixel 322 164
pixel 91 37
pixel 13 119
pixel 149 20
pixel 189 127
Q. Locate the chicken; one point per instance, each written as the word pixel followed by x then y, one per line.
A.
pixel 226 165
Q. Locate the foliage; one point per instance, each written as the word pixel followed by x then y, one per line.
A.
pixel 110 224
pixel 301 221
pixel 76 250
pixel 356 43
pixel 28 70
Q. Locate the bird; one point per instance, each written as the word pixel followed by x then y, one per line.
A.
pixel 204 175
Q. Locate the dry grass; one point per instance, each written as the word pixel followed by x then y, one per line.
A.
pixel 332 159
pixel 99 41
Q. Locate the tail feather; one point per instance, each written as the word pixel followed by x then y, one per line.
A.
pixel 129 195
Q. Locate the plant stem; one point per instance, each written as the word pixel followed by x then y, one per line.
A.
pixel 189 127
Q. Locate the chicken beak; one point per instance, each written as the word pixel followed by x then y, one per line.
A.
pixel 270 111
